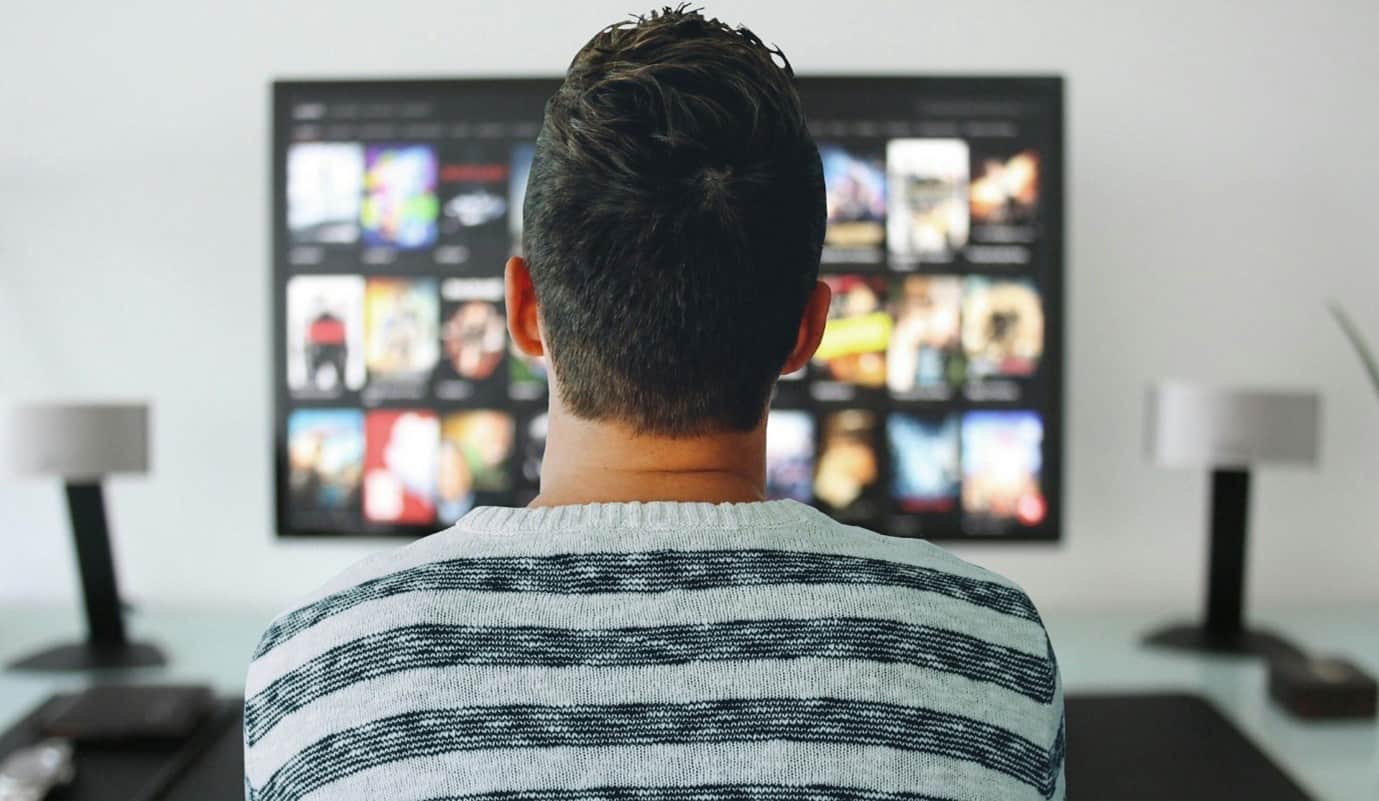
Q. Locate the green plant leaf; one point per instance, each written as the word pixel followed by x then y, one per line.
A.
pixel 1352 333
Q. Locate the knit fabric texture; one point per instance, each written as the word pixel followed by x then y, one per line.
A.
pixel 657 652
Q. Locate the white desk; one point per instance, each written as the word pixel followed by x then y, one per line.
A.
pixel 1097 652
pixel 1332 761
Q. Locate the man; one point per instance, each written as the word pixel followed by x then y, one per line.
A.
pixel 650 628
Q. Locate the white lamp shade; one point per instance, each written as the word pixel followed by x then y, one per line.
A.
pixel 1191 425
pixel 74 440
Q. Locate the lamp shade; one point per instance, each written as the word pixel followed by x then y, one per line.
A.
pixel 1192 425
pixel 74 441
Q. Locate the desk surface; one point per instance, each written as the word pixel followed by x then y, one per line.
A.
pixel 1096 652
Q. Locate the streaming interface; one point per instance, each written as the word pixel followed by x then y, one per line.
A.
pixel 931 409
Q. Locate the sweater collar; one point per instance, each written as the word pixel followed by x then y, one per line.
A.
pixel 638 515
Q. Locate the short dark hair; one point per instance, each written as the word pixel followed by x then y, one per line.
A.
pixel 673 222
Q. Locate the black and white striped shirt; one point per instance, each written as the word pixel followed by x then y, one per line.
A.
pixel 657 652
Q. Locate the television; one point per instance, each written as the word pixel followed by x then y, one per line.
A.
pixel 934 406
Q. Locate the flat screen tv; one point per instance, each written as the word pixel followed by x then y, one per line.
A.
pixel 933 409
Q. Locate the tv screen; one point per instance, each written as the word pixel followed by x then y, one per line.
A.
pixel 932 409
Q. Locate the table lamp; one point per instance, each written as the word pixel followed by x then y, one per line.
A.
pixel 83 443
pixel 1229 432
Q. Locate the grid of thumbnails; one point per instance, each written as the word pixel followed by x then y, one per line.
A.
pixel 402 403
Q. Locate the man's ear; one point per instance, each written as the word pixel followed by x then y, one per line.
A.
pixel 811 331
pixel 524 324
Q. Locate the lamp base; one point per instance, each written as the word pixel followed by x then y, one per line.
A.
pixel 1193 637
pixel 88 656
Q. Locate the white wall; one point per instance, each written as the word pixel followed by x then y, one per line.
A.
pixel 1223 172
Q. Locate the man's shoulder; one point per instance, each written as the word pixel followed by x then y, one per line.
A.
pixel 445 544
pixel 923 582
pixel 929 568
pixel 919 552
pixel 342 598
pixel 990 629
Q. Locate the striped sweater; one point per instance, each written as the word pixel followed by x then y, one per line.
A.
pixel 657 652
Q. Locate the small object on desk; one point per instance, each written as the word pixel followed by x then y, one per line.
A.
pixel 120 713
pixel 1318 688
pixel 32 772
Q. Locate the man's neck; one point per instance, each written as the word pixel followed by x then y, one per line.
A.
pixel 600 462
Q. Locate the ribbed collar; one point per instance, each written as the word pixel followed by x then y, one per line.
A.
pixel 654 515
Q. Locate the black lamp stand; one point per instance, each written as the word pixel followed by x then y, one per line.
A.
pixel 106 645
pixel 1224 631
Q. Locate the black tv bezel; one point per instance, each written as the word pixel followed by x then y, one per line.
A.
pixel 1046 88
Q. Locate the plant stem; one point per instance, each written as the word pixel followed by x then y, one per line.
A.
pixel 1352 333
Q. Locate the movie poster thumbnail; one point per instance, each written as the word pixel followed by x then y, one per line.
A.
pixel 794 390
pixel 853 349
pixel 1002 327
pixel 791 387
pixel 401 335
pixel 325 182
pixel 517 191
pixel 848 480
pixel 474 462
pixel 855 192
pixel 1004 194
pixel 927 218
pixel 474 210
pixel 925 471
pixel 1002 464
pixel 924 359
pixel 325 461
pixel 531 452
pixel 790 449
pixel 526 375
pixel 474 340
pixel 400 460
pixel 325 335
pixel 400 207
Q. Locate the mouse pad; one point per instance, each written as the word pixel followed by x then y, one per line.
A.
pixel 207 766
pixel 1166 747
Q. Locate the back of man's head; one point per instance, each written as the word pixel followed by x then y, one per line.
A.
pixel 672 225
